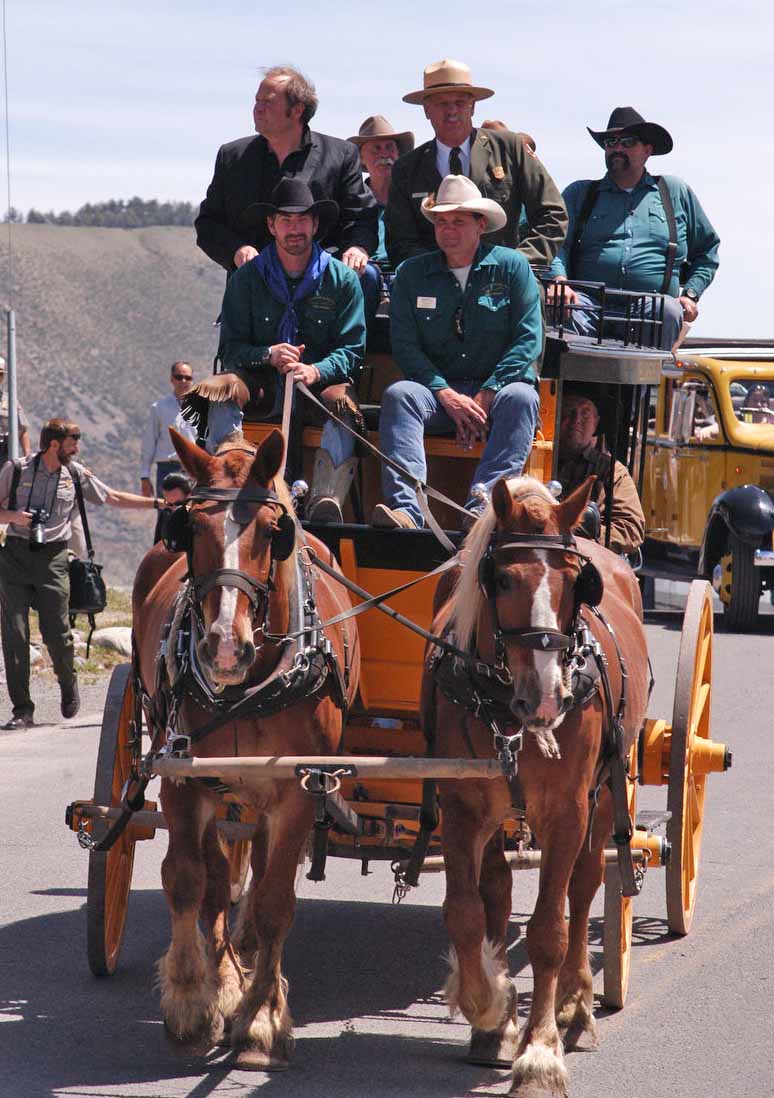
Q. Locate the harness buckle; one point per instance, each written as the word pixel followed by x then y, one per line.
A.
pixel 508 748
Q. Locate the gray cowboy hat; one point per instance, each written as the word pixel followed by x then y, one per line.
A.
pixel 626 120
pixel 293 196
pixel 377 127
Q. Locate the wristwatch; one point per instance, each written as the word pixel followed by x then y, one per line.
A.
pixel 690 294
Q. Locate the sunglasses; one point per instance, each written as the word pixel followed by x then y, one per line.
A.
pixel 76 438
pixel 183 377
pixel 624 142
pixel 458 320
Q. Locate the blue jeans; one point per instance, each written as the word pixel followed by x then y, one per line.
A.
pixel 585 321
pixel 409 409
pixel 226 416
pixel 371 285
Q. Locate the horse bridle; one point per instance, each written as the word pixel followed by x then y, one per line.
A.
pixel 283 540
pixel 589 588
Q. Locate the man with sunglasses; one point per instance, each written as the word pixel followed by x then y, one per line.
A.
pixel 466 331
pixel 635 231
pixel 157 446
pixel 38 500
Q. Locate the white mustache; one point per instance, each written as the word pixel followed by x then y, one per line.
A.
pixel 385 161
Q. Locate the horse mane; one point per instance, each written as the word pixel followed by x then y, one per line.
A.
pixel 463 608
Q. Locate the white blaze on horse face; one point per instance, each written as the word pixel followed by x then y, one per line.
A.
pixel 224 623
pixel 548 666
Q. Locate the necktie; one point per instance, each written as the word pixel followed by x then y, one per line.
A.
pixel 455 161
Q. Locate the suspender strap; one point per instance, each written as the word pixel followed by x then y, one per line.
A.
pixel 82 509
pixel 671 252
pixel 15 478
pixel 589 201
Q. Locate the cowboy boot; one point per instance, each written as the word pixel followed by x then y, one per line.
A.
pixel 330 487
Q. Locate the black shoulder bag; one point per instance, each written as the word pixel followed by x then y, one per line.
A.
pixel 87 587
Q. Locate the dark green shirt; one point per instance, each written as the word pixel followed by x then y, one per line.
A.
pixel 331 323
pixel 500 318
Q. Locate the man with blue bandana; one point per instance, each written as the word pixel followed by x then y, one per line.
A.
pixel 292 309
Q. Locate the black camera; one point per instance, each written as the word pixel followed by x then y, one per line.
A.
pixel 38 528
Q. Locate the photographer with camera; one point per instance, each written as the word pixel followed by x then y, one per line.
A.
pixel 38 500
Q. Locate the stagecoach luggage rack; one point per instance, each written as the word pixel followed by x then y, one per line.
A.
pixel 638 316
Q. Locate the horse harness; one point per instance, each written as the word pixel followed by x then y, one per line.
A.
pixel 485 690
pixel 307 663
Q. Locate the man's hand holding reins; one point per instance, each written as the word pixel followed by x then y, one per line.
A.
pixel 285 357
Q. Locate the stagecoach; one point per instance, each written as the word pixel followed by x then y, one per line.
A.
pixel 375 801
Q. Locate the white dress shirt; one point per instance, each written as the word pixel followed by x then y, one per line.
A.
pixel 156 443
pixel 442 153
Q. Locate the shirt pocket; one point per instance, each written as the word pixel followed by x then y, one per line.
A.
pixel 603 227
pixel 493 309
pixel 319 316
pixel 658 230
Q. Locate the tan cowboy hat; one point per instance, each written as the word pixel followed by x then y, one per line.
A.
pixel 446 75
pixel 377 127
pixel 457 192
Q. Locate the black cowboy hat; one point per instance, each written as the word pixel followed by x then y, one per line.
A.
pixel 626 120
pixel 293 196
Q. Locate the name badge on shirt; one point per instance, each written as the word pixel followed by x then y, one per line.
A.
pixel 425 302
pixel 419 194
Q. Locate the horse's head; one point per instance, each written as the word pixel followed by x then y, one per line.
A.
pixel 520 590
pixel 234 530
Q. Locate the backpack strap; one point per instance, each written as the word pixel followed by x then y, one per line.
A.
pixel 589 201
pixel 671 252
pixel 15 478
pixel 82 509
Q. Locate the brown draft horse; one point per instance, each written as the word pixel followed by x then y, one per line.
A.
pixel 531 589
pixel 237 585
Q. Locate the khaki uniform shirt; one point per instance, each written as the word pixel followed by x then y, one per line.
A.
pixel 627 521
pixel 54 492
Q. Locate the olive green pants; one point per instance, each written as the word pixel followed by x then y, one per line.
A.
pixel 38 579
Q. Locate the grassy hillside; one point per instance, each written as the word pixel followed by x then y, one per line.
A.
pixel 101 314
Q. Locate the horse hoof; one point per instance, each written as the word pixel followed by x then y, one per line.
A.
pixel 492 1048
pixel 578 1038
pixel 199 1043
pixel 532 1089
pixel 255 1059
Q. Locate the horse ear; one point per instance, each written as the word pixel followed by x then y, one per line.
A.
pixel 267 461
pixel 570 510
pixel 196 462
pixel 502 501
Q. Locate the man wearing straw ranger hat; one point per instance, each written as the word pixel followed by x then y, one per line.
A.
pixel 466 331
pixel 498 162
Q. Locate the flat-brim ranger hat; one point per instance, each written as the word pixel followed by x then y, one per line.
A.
pixel 377 128
pixel 626 120
pixel 447 76
pixel 457 192
pixel 293 196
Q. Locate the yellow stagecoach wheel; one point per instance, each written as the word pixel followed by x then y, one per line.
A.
pixel 619 915
pixel 690 725
pixel 110 872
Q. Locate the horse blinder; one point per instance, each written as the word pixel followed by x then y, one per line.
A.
pixel 177 530
pixel 283 537
pixel 589 586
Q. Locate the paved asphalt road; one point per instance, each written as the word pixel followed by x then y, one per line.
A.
pixel 365 976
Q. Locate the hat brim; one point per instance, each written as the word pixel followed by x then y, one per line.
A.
pixel 325 210
pixel 649 132
pixel 404 141
pixel 420 96
pixel 496 217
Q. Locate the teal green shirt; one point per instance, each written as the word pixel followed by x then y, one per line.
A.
pixel 625 240
pixel 500 314
pixel 331 323
pixel 380 255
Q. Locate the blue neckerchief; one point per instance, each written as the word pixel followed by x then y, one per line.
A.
pixel 273 274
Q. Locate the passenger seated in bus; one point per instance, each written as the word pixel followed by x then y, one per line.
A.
pixel 705 424
pixel 380 146
pixel 466 330
pixel 580 457
pixel 293 309
pixel 757 406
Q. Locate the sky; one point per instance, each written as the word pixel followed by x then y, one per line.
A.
pixel 115 99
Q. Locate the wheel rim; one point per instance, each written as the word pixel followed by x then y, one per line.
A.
pixel 110 872
pixel 690 723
